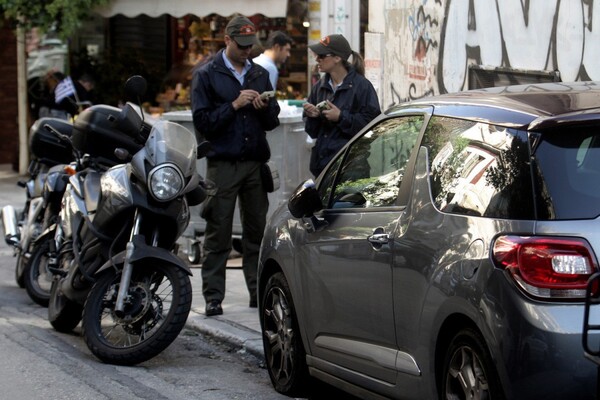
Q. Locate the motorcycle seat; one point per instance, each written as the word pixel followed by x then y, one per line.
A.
pixel 91 190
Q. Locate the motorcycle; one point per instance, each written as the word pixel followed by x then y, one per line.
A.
pixel 49 153
pixel 116 268
pixel 37 273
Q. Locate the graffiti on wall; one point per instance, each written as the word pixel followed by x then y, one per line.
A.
pixel 540 35
pixel 418 45
pixel 437 42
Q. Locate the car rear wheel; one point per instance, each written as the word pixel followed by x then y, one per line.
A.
pixel 469 371
pixel 283 348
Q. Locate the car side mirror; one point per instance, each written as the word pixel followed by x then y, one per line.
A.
pixel 305 200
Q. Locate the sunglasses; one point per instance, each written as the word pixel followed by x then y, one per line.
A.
pixel 323 56
pixel 239 46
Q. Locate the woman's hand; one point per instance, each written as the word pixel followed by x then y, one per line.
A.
pixel 332 113
pixel 311 110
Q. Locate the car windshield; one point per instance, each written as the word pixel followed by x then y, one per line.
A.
pixel 568 174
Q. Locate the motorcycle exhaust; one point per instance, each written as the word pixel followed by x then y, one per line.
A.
pixel 10 226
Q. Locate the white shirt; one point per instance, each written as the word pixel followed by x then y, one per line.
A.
pixel 268 64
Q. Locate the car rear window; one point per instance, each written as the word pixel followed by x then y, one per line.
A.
pixel 567 163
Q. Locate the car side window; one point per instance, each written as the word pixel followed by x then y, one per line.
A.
pixel 479 169
pixel 372 170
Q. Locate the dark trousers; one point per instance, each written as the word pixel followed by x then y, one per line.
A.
pixel 234 180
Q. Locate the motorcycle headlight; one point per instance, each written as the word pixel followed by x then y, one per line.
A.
pixel 165 182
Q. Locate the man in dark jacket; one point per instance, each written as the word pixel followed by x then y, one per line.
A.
pixel 229 112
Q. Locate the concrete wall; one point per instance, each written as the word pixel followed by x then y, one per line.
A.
pixel 9 133
pixel 429 44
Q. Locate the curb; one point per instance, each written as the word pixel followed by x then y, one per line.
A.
pixel 227 331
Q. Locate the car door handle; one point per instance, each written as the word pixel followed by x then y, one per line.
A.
pixel 379 238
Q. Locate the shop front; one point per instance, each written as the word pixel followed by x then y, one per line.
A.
pixel 170 38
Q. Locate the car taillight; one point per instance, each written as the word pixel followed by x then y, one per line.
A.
pixel 547 267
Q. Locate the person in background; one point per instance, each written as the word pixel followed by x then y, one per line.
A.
pixel 194 54
pixel 347 100
pixel 64 97
pixel 84 87
pixel 277 51
pixel 229 112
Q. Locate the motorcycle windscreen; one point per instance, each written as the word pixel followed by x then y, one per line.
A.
pixel 170 142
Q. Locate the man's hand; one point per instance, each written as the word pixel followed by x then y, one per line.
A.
pixel 260 102
pixel 246 97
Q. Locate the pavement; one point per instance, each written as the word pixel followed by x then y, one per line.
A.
pixel 239 324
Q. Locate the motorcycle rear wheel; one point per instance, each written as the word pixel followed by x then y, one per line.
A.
pixel 37 277
pixel 64 315
pixel 158 303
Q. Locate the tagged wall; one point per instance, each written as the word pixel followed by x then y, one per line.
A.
pixel 429 44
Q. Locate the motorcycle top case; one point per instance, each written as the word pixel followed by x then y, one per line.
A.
pixel 96 132
pixel 44 144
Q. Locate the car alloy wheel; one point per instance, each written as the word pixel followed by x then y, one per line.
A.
pixel 469 372
pixel 284 351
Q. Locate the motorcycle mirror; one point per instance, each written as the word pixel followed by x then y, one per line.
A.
pixel 203 149
pixel 130 121
pixel 135 87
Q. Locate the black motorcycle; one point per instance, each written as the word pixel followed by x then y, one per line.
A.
pixel 37 273
pixel 50 150
pixel 117 232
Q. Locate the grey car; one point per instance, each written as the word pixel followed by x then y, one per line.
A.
pixel 443 253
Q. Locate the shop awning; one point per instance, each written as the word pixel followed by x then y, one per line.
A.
pixel 199 8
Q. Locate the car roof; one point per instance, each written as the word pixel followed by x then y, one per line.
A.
pixel 535 106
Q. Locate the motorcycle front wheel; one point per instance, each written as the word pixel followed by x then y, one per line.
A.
pixel 156 307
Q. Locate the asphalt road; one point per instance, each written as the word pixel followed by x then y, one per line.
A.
pixel 36 362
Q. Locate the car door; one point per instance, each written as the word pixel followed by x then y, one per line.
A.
pixel 345 267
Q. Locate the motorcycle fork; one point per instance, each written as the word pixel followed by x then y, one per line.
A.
pixel 127 267
pixel 54 245
pixel 35 208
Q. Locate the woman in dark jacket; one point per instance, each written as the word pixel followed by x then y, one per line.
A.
pixel 341 103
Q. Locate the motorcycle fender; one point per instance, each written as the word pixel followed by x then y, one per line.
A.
pixel 143 252
pixel 49 231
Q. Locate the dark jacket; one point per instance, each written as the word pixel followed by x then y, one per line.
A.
pixel 357 100
pixel 234 135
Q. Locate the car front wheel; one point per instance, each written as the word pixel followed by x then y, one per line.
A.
pixel 469 371
pixel 283 348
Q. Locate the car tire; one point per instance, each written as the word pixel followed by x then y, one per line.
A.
pixel 469 371
pixel 283 348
